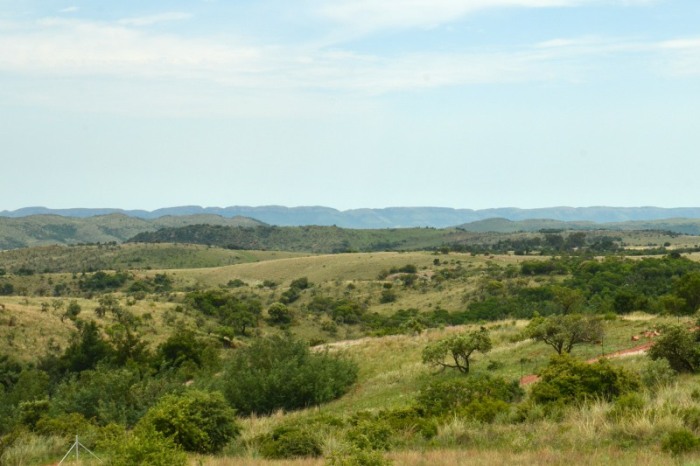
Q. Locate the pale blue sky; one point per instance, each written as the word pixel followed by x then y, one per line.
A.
pixel 350 103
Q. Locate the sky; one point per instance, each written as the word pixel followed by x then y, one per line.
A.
pixel 349 103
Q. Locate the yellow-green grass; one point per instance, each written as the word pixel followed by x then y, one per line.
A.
pixel 27 332
pixel 130 256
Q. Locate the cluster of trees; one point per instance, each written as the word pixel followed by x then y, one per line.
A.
pixel 131 400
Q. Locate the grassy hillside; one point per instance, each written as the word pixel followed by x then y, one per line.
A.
pixel 38 230
pixel 86 258
pixel 378 309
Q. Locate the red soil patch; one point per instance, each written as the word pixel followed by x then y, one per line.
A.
pixel 532 378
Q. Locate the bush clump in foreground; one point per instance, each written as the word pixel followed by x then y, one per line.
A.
pixel 197 421
pixel 480 398
pixel 566 380
pixel 290 442
pixel 282 373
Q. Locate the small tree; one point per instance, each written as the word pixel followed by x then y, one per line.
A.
pixel 564 332
pixel 460 347
pixel 280 314
pixel 679 346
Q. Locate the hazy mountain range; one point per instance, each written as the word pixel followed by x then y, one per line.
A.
pixel 391 217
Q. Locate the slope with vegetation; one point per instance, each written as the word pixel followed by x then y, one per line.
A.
pixel 355 358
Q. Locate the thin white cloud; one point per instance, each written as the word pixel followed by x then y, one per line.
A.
pixel 154 19
pixel 72 47
pixel 371 15
pixel 680 57
pixel 70 9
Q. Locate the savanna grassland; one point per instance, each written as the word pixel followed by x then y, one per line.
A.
pixel 164 353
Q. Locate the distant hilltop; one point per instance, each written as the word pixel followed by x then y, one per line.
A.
pixel 390 217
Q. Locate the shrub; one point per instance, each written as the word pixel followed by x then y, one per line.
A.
pixel 281 372
pixel 679 442
pixel 197 421
pixel 566 379
pixel 143 446
pixel 280 314
pixel 627 404
pixel 354 456
pixel 371 434
pixel 410 419
pixel 290 442
pixel 454 396
pixel 657 373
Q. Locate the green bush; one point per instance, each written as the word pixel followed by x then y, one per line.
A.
pixel 679 442
pixel 371 434
pixel 197 421
pixel 627 404
pixel 411 419
pixel 141 447
pixel 354 456
pixel 290 442
pixel 281 372
pixel 657 373
pixel 566 380
pixel 452 396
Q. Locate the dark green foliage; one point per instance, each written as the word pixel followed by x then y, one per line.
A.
pixel 539 267
pixel 107 394
pixel 29 412
pixel 6 289
pixel 279 314
pixel 197 421
pixel 566 380
pixel 281 372
pixel 464 395
pixel 387 296
pixel 301 283
pixel 679 442
pixel 688 289
pixel 239 312
pixel 9 371
pixel 102 281
pixel 343 311
pixel 291 441
pixel 183 347
pixel 679 346
pixel 295 289
pixel 86 349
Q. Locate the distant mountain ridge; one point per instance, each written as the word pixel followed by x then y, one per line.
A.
pixel 390 217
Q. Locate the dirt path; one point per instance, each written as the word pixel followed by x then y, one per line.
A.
pixel 641 349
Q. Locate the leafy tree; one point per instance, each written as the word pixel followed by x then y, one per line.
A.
pixel 87 348
pixel 568 300
pixel 280 314
pixel 459 347
pixel 197 421
pixel 183 347
pixel 688 288
pixel 679 346
pixel 564 332
pixel 281 372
